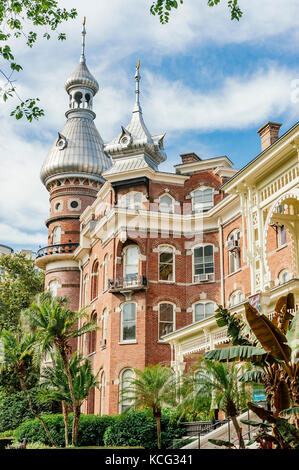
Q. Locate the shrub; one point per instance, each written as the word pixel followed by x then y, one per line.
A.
pixel 91 429
pixel 137 428
pixel 14 408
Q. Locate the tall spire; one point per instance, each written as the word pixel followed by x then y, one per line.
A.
pixel 137 107
pixel 82 58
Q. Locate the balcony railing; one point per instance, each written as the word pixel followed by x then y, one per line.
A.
pixel 57 249
pixel 127 283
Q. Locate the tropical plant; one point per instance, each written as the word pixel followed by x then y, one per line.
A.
pixel 272 347
pixel 220 380
pixel 55 326
pixel 154 387
pixel 55 384
pixel 16 350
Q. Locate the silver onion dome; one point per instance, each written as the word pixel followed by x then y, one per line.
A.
pixel 78 150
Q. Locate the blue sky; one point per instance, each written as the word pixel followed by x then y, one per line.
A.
pixel 208 82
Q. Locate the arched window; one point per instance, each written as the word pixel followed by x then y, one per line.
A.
pixel 166 263
pixel 105 274
pixel 105 323
pixel 166 203
pixel 56 236
pixel 128 322
pixel 236 298
pixel 131 200
pixel 202 199
pixel 94 280
pixel 204 310
pixel 92 336
pixel 53 287
pixel 166 318
pixel 85 290
pixel 102 390
pixel 131 263
pixel 281 236
pixel 284 276
pixel 234 254
pixel 203 263
pixel 126 396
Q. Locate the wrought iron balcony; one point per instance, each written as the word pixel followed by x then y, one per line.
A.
pixel 127 283
pixel 57 249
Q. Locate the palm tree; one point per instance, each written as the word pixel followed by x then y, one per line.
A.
pixel 56 325
pixel 16 353
pixel 55 384
pixel 152 388
pixel 221 380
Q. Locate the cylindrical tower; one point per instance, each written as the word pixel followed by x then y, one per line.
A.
pixel 71 173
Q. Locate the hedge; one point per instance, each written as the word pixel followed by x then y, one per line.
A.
pixel 91 429
pixel 139 429
pixel 14 409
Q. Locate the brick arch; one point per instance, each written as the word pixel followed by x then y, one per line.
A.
pixel 170 242
pixel 130 241
pixel 169 299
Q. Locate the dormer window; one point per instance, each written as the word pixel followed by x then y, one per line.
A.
pixel 166 203
pixel 202 199
pixel 131 200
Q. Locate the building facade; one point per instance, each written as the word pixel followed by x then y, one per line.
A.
pixel 150 254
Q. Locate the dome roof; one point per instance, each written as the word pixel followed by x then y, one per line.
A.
pixel 77 150
pixel 82 77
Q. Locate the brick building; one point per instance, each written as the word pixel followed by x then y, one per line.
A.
pixel 152 253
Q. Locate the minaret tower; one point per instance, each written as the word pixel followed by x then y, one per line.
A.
pixel 71 173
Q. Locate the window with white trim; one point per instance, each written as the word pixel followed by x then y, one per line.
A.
pixel 234 253
pixel 131 200
pixel 202 199
pixel 203 263
pixel 53 287
pixel 166 318
pixel 102 386
pixel 281 236
pixel 166 263
pixel 204 310
pixel 128 322
pixel 94 280
pixel 85 290
pixel 105 324
pixel 126 397
pixel 131 262
pixel 236 298
pixel 284 276
pixel 56 236
pixel 166 203
pixel 105 274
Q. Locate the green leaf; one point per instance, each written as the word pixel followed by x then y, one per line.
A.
pixel 219 442
pixel 235 352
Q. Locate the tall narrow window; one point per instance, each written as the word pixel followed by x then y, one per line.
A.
pixel 126 393
pixel 102 386
pixel 203 263
pixel 166 263
pixel 90 402
pixel 128 322
pixel 203 310
pixel 203 199
pixel 85 290
pixel 94 280
pixel 105 323
pixel 234 253
pixel 92 340
pixel 53 288
pixel 105 274
pixel 56 236
pixel 281 236
pixel 131 263
pixel 166 203
pixel 166 319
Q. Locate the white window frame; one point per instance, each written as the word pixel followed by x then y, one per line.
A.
pixel 279 243
pixel 105 316
pixel 171 208
pixel 160 247
pixel 54 281
pixel 193 193
pixel 202 245
pixel 233 295
pixel 130 195
pixel 123 371
pixel 281 274
pixel 174 316
pixel 105 273
pixel 56 230
pixel 234 236
pixel 203 302
pixel 127 341
pixel 85 290
pixel 125 260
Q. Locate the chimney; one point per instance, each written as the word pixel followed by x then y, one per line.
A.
pixel 269 133
pixel 189 157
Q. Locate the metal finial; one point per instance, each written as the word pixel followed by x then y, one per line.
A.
pixel 82 58
pixel 137 78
